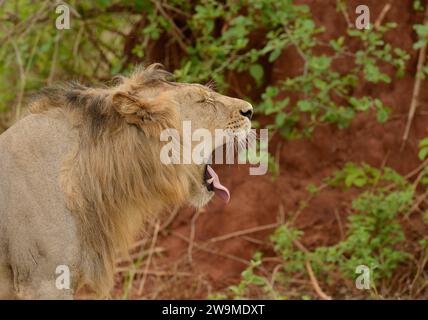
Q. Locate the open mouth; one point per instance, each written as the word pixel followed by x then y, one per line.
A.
pixel 213 183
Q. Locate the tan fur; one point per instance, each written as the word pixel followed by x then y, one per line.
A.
pixel 112 178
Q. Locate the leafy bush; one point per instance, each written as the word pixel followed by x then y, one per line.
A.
pixel 31 45
pixel 215 38
pixel 374 238
pixel 325 95
pixel 422 32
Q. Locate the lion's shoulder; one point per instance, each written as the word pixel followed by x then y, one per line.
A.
pixel 36 138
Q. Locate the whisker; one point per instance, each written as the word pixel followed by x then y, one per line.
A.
pixel 252 134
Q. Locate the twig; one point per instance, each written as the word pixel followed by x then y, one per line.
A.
pixel 180 12
pixel 314 282
pixel 416 89
pixel 23 27
pixel 158 273
pixel 76 44
pixel 200 247
pixel 33 52
pixel 346 16
pixel 382 15
pixel 22 81
pixel 171 218
pixel 94 41
pixel 253 240
pixel 162 228
pixel 418 179
pixel 192 234
pixel 415 171
pixel 411 174
pixel 418 201
pixel 244 232
pixel 421 267
pixel 54 58
pixel 339 222
pixel 299 51
pixel 310 271
pixel 139 243
pixel 422 288
pixel 281 213
pixel 138 255
pixel 109 28
pixel 273 279
pixel 149 259
pixel 176 32
pixel 300 246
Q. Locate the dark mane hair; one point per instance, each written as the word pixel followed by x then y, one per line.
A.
pixel 77 94
pixel 95 101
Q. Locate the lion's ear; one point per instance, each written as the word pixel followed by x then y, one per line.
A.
pixel 132 108
pixel 150 116
pixel 126 104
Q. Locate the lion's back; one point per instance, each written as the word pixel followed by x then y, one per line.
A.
pixel 33 216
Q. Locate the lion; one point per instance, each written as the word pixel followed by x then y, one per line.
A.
pixel 80 175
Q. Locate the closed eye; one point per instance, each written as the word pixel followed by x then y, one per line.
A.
pixel 206 100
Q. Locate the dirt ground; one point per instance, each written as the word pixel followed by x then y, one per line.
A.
pixel 191 258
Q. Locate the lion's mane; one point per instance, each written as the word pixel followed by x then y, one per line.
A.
pixel 114 180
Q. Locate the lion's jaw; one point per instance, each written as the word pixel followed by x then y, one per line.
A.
pixel 200 195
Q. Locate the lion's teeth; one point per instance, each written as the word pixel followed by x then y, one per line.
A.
pixel 211 180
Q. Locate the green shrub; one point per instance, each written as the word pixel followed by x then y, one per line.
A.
pixel 215 39
pixel 374 238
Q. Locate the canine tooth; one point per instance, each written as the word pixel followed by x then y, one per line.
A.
pixel 209 181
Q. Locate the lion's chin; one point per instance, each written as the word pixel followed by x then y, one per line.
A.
pixel 201 197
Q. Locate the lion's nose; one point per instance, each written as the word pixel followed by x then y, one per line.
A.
pixel 248 113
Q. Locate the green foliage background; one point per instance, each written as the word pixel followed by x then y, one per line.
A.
pixel 202 41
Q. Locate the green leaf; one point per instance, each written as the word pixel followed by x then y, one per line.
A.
pixel 320 84
pixel 305 106
pixel 423 143
pixel 423 146
pixel 383 114
pixel 274 54
pixel 423 153
pixel 280 119
pixel 257 72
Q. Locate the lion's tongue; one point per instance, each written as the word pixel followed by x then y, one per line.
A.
pixel 219 189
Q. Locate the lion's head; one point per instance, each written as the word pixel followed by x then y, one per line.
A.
pixel 162 103
pixel 114 178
